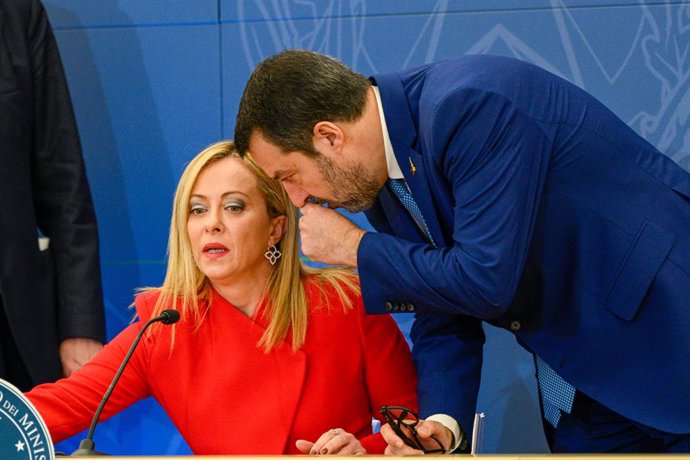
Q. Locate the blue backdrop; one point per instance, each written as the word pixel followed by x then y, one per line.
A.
pixel 154 82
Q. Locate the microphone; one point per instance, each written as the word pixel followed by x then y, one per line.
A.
pixel 86 446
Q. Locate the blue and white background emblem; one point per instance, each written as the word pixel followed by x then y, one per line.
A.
pixel 23 434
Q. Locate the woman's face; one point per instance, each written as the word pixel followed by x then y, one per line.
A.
pixel 229 226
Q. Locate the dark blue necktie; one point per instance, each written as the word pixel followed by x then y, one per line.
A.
pixel 399 188
pixel 557 395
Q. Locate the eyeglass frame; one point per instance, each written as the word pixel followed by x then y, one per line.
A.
pixel 414 442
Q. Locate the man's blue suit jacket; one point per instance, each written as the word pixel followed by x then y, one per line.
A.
pixel 553 219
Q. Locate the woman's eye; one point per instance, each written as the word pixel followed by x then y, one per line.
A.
pixel 197 209
pixel 234 207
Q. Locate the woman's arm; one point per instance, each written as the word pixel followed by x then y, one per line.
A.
pixel 68 405
pixel 390 375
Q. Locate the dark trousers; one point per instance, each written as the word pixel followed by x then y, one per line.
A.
pixel 592 428
pixel 12 367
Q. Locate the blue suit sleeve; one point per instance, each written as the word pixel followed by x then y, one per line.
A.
pixel 493 158
pixel 448 355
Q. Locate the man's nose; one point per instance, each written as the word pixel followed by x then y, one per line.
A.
pixel 297 194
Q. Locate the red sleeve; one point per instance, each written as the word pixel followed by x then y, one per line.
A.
pixel 68 405
pixel 390 375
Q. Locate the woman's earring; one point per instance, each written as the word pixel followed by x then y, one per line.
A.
pixel 273 254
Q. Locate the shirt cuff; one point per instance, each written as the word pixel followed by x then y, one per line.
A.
pixel 450 423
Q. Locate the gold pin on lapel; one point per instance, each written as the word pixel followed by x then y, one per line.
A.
pixel 413 169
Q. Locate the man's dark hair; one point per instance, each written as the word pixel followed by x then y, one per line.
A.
pixel 287 94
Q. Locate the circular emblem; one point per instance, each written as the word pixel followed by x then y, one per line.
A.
pixel 23 434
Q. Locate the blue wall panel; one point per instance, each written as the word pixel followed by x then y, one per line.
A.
pixel 146 100
pixel 153 82
pixel 269 10
pixel 117 13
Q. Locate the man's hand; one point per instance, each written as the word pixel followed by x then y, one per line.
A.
pixel 328 237
pixel 77 351
pixel 332 442
pixel 425 428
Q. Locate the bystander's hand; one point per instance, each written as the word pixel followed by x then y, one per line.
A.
pixel 77 351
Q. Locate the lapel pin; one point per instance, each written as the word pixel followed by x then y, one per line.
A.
pixel 413 169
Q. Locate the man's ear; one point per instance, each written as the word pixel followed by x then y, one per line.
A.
pixel 328 136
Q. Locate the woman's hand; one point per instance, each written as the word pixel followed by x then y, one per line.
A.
pixel 332 442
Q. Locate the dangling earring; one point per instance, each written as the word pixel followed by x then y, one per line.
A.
pixel 273 254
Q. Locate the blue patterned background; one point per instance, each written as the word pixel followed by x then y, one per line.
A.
pixel 154 82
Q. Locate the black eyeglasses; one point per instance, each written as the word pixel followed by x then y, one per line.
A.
pixel 399 417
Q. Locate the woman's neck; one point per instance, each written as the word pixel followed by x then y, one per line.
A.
pixel 245 294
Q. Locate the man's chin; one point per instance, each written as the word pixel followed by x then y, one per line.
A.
pixel 353 208
pixel 352 205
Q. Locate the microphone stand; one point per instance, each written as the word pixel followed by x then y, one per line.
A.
pixel 87 446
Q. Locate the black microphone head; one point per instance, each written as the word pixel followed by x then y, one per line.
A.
pixel 170 316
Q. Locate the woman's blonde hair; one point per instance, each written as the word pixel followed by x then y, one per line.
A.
pixel 186 289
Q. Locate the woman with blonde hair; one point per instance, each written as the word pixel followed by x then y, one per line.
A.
pixel 269 356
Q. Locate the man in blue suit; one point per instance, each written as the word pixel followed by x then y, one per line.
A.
pixel 505 194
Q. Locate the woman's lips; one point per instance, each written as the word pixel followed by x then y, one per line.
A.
pixel 215 250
